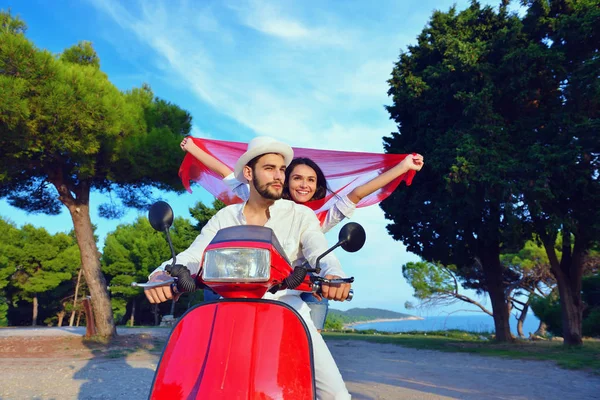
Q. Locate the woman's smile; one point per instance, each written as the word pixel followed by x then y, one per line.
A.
pixel 303 183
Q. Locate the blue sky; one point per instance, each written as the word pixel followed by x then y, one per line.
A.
pixel 311 73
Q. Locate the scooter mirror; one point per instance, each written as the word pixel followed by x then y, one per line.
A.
pixel 160 216
pixel 352 237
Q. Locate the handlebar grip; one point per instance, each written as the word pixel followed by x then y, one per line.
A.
pixel 185 282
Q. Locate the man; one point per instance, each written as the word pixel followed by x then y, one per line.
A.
pixel 298 230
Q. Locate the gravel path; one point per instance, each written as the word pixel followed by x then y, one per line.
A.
pixel 371 371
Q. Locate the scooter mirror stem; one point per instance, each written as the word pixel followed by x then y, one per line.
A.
pixel 171 247
pixel 318 266
pixel 352 238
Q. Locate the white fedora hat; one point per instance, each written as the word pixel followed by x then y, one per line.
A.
pixel 258 146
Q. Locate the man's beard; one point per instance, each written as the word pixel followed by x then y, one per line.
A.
pixel 264 191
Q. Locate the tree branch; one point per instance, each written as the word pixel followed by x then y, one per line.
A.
pixel 466 299
pixel 517 301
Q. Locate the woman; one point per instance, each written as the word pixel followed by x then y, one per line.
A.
pixel 305 183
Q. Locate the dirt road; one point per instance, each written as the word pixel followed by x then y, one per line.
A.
pixel 51 367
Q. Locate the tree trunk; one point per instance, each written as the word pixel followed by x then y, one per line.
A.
pixel 78 317
pixel 494 280
pixel 520 329
pixel 568 274
pixel 521 320
pixel 61 316
pixel 72 319
pixel 77 198
pixel 541 330
pixel 90 321
pixel 35 310
pixel 94 278
pixel 572 313
pixel 132 318
pixel 501 314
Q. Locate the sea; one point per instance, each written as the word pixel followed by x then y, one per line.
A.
pixel 481 323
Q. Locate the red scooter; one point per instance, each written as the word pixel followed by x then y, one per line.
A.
pixel 241 347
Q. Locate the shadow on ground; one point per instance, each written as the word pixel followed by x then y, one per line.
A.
pixel 119 370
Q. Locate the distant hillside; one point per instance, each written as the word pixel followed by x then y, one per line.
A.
pixel 365 314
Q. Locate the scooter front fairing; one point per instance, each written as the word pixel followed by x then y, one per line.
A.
pixel 237 349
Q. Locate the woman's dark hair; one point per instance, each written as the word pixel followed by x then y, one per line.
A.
pixel 322 187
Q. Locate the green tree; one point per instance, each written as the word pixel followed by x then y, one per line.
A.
pixel 507 110
pixel 461 208
pixel 66 130
pixel 334 323
pixel 590 292
pixel 42 262
pixel 548 309
pixel 81 54
pixel 437 285
pixel 9 235
pixel 130 254
pixel 202 213
pixel 555 129
pixel 531 266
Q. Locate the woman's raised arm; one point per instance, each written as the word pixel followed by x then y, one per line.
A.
pixel 187 144
pixel 410 162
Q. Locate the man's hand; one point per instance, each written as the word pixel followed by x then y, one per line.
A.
pixel 335 291
pixel 159 294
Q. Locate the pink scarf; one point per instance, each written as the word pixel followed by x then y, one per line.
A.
pixel 344 171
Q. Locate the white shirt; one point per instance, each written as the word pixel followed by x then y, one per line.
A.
pixel 343 207
pixel 296 227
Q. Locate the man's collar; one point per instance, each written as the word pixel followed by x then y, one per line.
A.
pixel 241 215
pixel 273 209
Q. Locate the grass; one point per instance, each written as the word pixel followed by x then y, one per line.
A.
pixel 117 353
pixel 586 357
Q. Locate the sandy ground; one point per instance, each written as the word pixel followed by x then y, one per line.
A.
pixel 57 364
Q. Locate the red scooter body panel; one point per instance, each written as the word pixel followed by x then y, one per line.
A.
pixel 237 349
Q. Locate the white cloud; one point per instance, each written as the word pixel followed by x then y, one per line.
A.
pixel 278 27
pixel 271 19
pixel 368 80
pixel 301 94
pixel 197 132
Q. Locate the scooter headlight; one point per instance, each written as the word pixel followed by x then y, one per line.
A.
pixel 237 265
